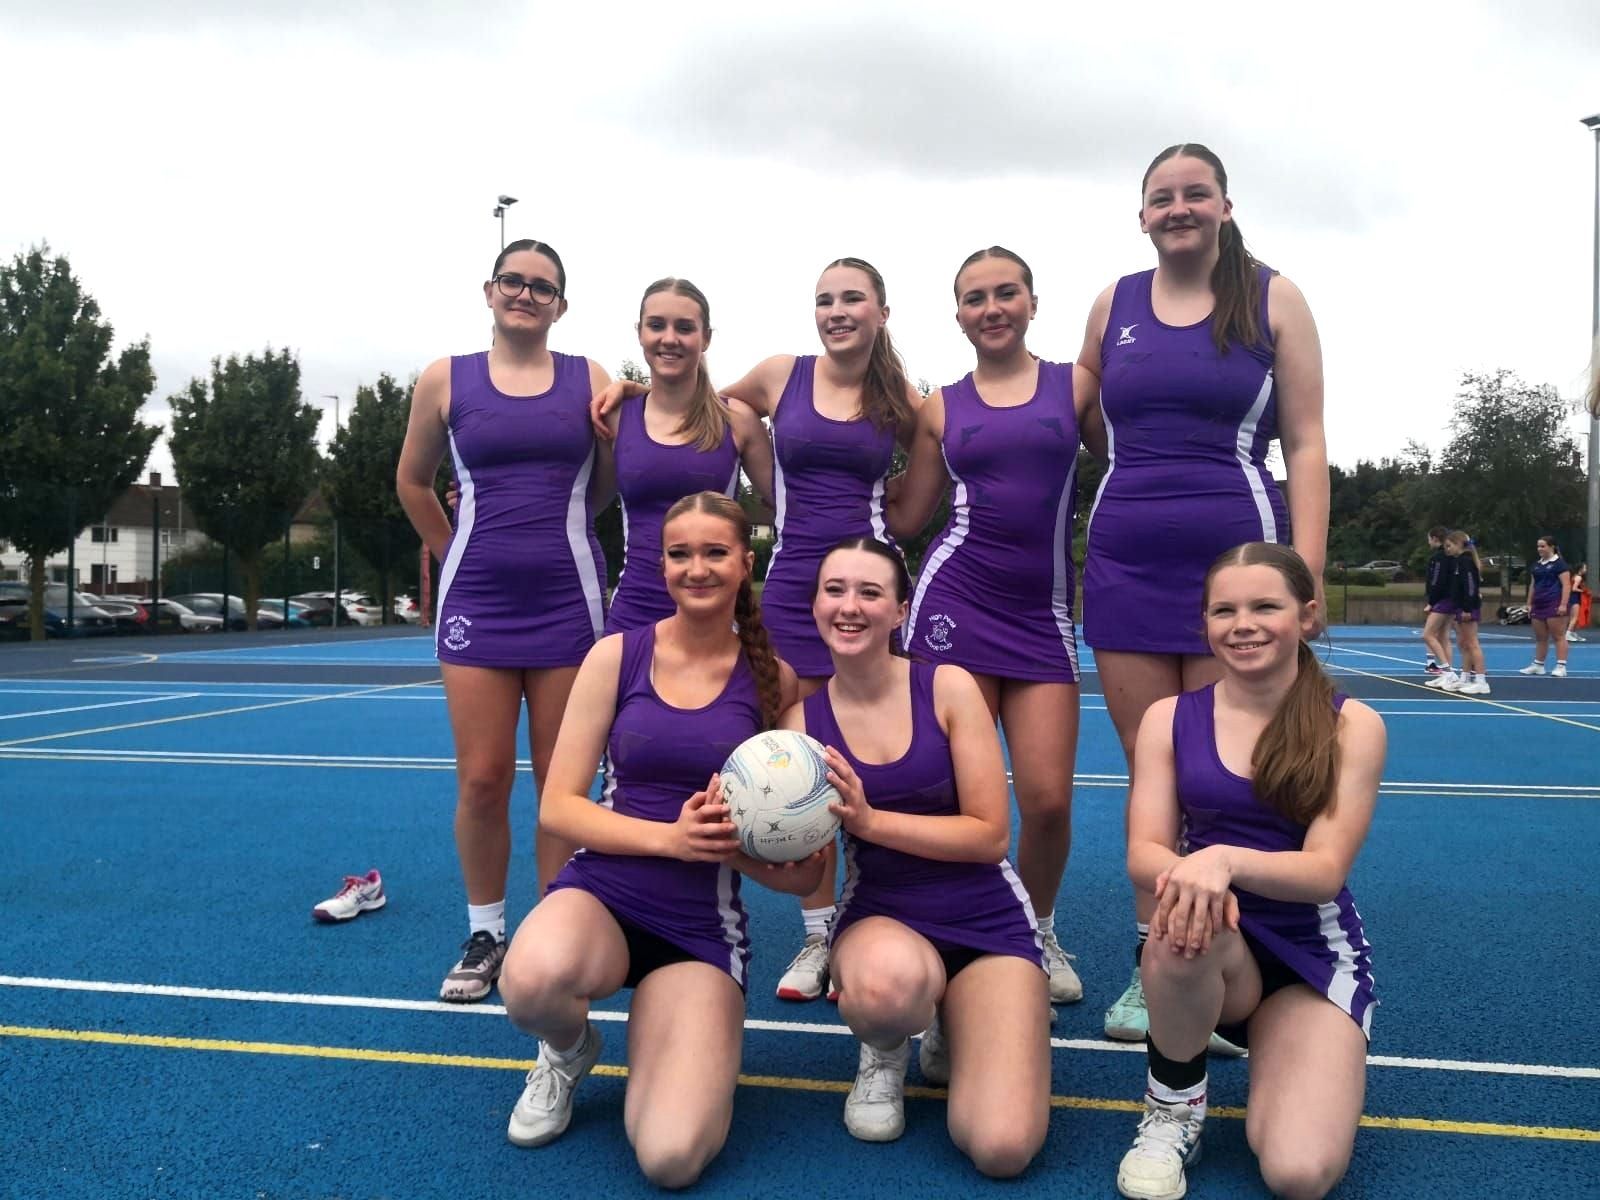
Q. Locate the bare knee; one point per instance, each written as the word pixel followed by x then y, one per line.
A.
pixel 1002 1153
pixel 1296 1173
pixel 531 987
pixel 674 1161
pixel 887 993
pixel 484 791
pixel 1045 809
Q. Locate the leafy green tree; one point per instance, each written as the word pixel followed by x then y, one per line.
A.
pixel 70 436
pixel 360 483
pixel 246 454
pixel 1511 470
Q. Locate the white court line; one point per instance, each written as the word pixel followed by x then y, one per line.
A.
pixel 51 712
pixel 498 1010
pixel 221 712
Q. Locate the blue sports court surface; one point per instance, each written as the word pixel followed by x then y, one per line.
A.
pixel 173 1024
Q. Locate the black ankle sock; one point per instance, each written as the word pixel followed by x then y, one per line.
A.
pixel 1176 1074
pixel 1138 949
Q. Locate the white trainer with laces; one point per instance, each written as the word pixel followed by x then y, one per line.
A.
pixel 1443 682
pixel 1560 672
pixel 808 973
pixel 933 1054
pixel 544 1109
pixel 1168 1141
pixel 1478 687
pixel 1065 986
pixel 1454 683
pixel 875 1109
pixel 1535 668
pixel 360 893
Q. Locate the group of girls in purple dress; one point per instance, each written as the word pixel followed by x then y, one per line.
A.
pixel 1202 585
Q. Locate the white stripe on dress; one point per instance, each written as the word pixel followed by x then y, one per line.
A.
pixel 1342 987
pixel 780 499
pixel 880 527
pixel 1060 595
pixel 730 923
pixel 589 572
pixel 1111 465
pixel 466 516
pixel 1009 874
pixel 1253 475
pixel 622 574
pixel 960 524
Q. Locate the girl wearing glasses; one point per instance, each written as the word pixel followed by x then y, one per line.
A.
pixel 521 596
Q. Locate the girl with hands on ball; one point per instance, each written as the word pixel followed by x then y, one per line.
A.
pixel 1266 781
pixel 652 902
pixel 934 932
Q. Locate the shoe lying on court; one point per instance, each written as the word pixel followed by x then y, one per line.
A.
pixel 360 893
pixel 808 973
pixel 1168 1141
pixel 544 1109
pixel 1128 1020
pixel 1560 672
pixel 1533 668
pixel 875 1109
pixel 1065 986
pixel 471 979
pixel 933 1054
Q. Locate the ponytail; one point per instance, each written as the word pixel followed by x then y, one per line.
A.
pixel 883 392
pixel 758 653
pixel 1296 761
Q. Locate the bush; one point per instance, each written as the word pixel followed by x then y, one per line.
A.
pixel 1367 579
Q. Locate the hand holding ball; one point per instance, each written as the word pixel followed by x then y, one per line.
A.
pixel 777 792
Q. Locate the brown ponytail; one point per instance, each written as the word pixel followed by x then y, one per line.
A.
pixel 1235 280
pixel 753 638
pixel 883 392
pixel 707 419
pixel 1296 760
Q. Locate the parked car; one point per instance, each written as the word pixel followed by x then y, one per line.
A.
pixel 1386 567
pixel 186 619
pixel 407 609
pixel 362 608
pixel 129 617
pixel 318 606
pixel 299 614
pixel 88 619
pixel 14 623
pixel 210 604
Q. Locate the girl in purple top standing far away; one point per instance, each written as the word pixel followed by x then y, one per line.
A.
pixel 652 901
pixel 1269 780
pixel 995 594
pixel 521 586
pixel 932 921
pixel 1549 597
pixel 1197 365
pixel 836 418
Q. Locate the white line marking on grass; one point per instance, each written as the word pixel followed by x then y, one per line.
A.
pixel 51 712
pixel 831 1030
pixel 221 712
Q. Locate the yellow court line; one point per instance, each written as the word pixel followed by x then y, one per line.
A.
pixel 783 1082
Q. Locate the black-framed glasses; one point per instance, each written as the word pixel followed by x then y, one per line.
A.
pixel 541 290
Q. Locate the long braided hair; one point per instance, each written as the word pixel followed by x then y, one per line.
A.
pixel 746 609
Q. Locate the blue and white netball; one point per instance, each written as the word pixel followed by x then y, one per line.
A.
pixel 777 792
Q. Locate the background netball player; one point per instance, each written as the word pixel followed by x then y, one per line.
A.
pixel 1549 598
pixel 521 588
pixel 995 593
pixel 1200 364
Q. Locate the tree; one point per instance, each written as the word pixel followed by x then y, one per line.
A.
pixel 360 482
pixel 1510 469
pixel 246 455
pixel 70 436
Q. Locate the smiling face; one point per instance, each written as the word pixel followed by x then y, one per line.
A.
pixel 523 315
pixel 1184 207
pixel 858 606
pixel 704 562
pixel 848 311
pixel 1254 623
pixel 673 336
pixel 994 306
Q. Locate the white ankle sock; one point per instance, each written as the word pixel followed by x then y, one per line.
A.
pixel 488 916
pixel 816 920
pixel 1046 924
pixel 561 1058
pixel 1194 1097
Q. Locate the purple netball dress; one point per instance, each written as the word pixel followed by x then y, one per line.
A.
pixel 656 758
pixel 1187 430
pixel 1546 573
pixel 521 584
pixel 996 590
pixel 1323 944
pixel 829 480
pixel 978 906
pixel 652 476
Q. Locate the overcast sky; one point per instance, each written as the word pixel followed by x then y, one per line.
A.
pixel 321 176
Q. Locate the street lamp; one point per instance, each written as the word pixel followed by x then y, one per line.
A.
pixel 1593 520
pixel 338 605
pixel 500 211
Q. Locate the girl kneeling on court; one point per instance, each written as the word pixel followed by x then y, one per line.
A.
pixel 652 901
pixel 934 928
pixel 1272 778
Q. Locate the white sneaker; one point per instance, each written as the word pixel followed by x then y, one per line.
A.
pixel 360 893
pixel 1065 986
pixel 1168 1141
pixel 1454 683
pixel 1443 682
pixel 875 1109
pixel 544 1109
pixel 1536 668
pixel 1574 637
pixel 1560 672
pixel 1478 687
pixel 933 1054
pixel 808 973
pixel 1128 1020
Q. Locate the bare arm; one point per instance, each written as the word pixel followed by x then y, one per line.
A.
pixel 754 445
pixel 763 386
pixel 603 405
pixel 1298 371
pixel 603 485
pixel 925 478
pixel 1086 377
pixel 1153 814
pixel 980 832
pixel 427 436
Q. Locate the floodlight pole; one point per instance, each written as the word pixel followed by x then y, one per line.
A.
pixel 505 202
pixel 338 606
pixel 1592 541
